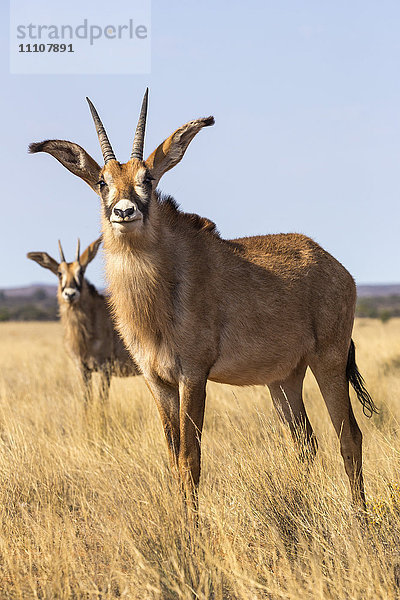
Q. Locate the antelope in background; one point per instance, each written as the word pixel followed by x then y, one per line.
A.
pixel 90 337
pixel 191 306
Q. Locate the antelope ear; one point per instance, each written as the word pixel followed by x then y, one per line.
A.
pixel 171 151
pixel 44 260
pixel 72 157
pixel 88 255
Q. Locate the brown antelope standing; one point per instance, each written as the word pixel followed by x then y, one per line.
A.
pixel 90 337
pixel 191 306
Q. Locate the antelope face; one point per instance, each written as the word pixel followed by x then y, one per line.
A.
pixel 71 276
pixel 125 191
pixel 70 279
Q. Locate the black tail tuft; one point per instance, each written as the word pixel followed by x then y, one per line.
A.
pixel 356 379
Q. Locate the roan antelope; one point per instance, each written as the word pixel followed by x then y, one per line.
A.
pixel 191 306
pixel 90 336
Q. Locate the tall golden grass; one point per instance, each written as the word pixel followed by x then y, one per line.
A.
pixel 90 509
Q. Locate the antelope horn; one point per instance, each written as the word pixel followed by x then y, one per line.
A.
pixel 61 252
pixel 108 153
pixel 138 142
pixel 78 249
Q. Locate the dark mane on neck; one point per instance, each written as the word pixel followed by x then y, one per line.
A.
pixel 91 289
pixel 173 213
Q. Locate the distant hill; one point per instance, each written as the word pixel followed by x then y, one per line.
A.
pixel 378 290
pixel 28 291
pixel 37 302
pixel 373 289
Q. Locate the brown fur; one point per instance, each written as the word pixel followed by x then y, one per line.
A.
pixel 90 337
pixel 191 306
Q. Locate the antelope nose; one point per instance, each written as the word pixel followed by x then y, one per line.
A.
pixel 124 213
pixel 70 294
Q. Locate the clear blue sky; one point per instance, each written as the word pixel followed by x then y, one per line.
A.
pixel 306 97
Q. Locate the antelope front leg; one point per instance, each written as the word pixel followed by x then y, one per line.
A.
pixel 86 379
pixel 105 381
pixel 191 416
pixel 167 400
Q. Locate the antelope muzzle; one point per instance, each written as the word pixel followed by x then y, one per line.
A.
pixel 125 216
pixel 70 295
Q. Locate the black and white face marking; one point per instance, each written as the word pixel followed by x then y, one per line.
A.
pixel 70 277
pixel 126 206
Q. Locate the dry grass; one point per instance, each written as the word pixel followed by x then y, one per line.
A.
pixel 89 511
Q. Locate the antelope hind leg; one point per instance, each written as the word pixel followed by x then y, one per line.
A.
pixel 334 386
pixel 287 397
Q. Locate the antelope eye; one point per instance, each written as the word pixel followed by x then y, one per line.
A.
pixel 145 179
pixel 101 183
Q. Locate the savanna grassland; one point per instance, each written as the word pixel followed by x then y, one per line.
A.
pixel 89 507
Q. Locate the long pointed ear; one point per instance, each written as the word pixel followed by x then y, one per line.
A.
pixel 72 157
pixel 171 151
pixel 88 255
pixel 44 260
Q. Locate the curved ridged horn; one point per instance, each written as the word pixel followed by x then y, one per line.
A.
pixel 61 252
pixel 138 142
pixel 108 153
pixel 78 250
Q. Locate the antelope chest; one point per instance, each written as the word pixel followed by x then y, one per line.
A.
pixel 156 358
pixel 144 313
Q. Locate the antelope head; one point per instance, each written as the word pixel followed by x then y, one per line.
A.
pixel 70 275
pixel 126 189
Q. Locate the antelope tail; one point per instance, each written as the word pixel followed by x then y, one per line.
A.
pixel 357 381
